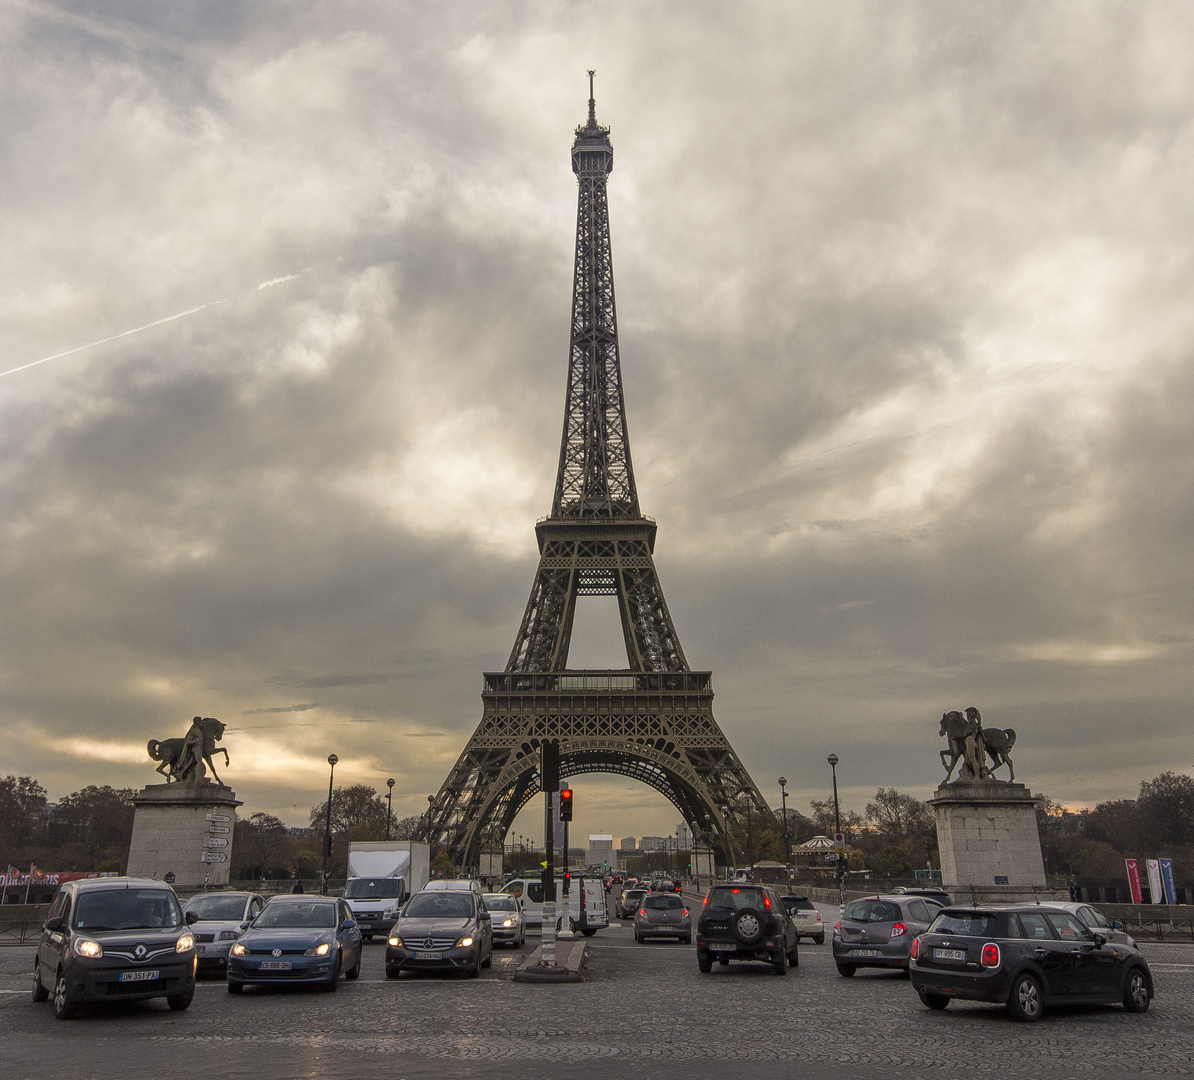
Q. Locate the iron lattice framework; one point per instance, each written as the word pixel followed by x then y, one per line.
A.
pixel 653 721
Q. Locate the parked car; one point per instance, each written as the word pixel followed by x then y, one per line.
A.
pixel 746 922
pixel 217 924
pixel 879 931
pixel 114 939
pixel 509 925
pixel 1027 957
pixel 630 900
pixel 803 912
pixel 297 939
pixel 1096 922
pixel 933 895
pixel 441 929
pixel 662 915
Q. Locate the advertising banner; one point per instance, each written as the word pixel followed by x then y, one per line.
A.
pixel 1168 881
pixel 47 877
pixel 1156 893
pixel 1134 881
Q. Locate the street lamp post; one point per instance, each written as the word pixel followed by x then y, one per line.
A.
pixel 327 827
pixel 783 789
pixel 389 805
pixel 837 821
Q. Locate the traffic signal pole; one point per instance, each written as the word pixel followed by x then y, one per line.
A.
pixel 549 774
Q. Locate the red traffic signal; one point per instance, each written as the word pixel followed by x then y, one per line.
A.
pixel 566 804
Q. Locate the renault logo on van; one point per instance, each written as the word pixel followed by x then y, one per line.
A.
pixel 139 952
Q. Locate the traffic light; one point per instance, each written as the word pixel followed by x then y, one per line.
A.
pixel 567 882
pixel 549 765
pixel 566 804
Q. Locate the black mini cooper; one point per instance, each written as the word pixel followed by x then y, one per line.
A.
pixel 114 939
pixel 1026 957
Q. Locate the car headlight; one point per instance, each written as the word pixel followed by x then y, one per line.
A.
pixel 507 922
pixel 465 942
pixel 319 950
pixel 86 947
pixel 227 935
pixel 394 940
pixel 388 913
pixel 185 943
pixel 239 949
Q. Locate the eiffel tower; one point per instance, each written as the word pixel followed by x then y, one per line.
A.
pixel 652 721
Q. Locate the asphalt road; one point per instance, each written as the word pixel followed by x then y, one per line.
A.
pixel 645 1012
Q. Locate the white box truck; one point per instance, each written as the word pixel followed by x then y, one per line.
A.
pixel 381 875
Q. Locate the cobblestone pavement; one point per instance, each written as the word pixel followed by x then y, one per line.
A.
pixel 645 1012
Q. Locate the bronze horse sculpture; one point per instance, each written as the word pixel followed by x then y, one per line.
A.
pixel 183 759
pixel 998 743
pixel 972 743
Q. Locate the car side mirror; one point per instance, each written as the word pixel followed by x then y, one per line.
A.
pixel 347 924
pixel 244 926
pixel 1117 925
pixel 55 923
pixel 1099 941
pixel 191 917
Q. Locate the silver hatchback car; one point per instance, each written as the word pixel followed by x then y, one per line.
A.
pixel 219 916
pixel 509 924
pixel 878 932
pixel 662 914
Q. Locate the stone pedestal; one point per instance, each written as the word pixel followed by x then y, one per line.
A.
pixel 182 833
pixel 989 844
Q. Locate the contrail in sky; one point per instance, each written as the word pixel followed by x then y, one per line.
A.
pixel 147 326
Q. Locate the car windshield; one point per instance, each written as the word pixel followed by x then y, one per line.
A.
pixel 872 911
pixel 964 924
pixel 372 888
pixel 307 915
pixel 663 903
pixel 500 903
pixel 127 909
pixel 735 898
pixel 217 908
pixel 798 903
pixel 440 905
pixel 635 894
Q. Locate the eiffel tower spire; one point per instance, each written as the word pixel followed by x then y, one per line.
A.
pixel 652 720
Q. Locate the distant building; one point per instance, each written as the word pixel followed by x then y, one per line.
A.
pixel 601 850
pixel 628 843
pixel 683 837
pixel 654 843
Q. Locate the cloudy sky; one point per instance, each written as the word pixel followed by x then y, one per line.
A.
pixel 904 296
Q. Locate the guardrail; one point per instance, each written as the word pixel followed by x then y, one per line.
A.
pixel 22 933
pixel 1159 929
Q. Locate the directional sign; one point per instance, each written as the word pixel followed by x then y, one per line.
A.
pixel 214 856
pixel 213 829
pixel 216 841
pixel 218 817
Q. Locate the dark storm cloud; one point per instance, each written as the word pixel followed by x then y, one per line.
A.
pixel 906 338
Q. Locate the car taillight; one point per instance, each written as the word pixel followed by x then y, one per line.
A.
pixel 990 955
pixel 643 912
pixel 767 901
pixel 899 929
pixel 837 928
pixel 684 914
pixel 915 954
pixel 818 916
pixel 705 903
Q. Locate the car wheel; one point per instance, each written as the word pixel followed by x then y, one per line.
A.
pixel 1137 993
pixel 589 933
pixel 846 971
pixel 704 964
pixel 749 925
pixel 474 972
pixel 818 939
pixel 488 961
pixel 63 1008
pixel 686 939
pixel 236 988
pixel 933 1001
pixel 781 965
pixel 794 957
pixel 181 1002
pixel 366 937
pixel 354 972
pixel 329 987
pixel 40 993
pixel 1026 1003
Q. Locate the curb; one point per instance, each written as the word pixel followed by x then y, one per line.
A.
pixel 567 969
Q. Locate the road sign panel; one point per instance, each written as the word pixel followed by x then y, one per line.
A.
pixel 214 856
pixel 217 841
pixel 218 817
pixel 213 829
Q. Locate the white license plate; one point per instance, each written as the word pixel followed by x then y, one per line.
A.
pixel 429 956
pixel 723 948
pixel 138 976
pixel 864 952
pixel 949 954
pixel 275 965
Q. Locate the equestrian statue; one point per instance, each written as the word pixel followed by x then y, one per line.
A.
pixel 183 759
pixel 971 743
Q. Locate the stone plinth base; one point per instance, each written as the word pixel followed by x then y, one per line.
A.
pixel 988 842
pixel 182 833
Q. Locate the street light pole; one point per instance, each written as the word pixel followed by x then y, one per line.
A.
pixel 327 827
pixel 389 805
pixel 837 821
pixel 783 788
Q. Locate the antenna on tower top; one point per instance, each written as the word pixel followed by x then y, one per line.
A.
pixel 592 102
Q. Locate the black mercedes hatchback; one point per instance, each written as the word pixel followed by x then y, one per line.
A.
pixel 1027 957
pixel 114 939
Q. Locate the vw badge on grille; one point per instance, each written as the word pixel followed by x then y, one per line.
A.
pixel 276 952
pixel 139 952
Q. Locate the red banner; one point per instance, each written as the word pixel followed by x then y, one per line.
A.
pixel 1134 881
pixel 47 877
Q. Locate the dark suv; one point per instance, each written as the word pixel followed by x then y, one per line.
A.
pixel 746 922
pixel 115 939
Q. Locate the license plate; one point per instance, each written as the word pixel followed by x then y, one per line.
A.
pixel 138 976
pixel 864 952
pixel 949 954
pixel 723 948
pixel 275 965
pixel 429 956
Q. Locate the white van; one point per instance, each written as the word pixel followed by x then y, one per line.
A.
pixel 586 902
